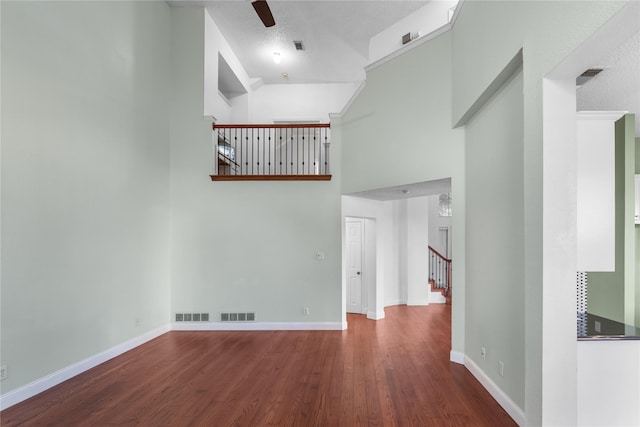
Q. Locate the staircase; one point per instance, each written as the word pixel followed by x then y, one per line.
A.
pixel 440 274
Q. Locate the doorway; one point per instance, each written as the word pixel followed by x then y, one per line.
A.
pixel 354 234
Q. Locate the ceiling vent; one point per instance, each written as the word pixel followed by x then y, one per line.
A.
pixel 588 75
pixel 591 72
pixel 298 45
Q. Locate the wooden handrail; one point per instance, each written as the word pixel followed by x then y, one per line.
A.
pixel 440 255
pixel 271 126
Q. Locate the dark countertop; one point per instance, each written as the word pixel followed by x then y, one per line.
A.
pixel 592 327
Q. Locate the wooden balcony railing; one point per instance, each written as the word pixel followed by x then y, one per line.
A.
pixel 271 152
pixel 440 271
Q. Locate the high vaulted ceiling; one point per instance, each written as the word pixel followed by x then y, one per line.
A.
pixel 335 35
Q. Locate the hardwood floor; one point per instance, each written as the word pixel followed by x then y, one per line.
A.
pixel 394 371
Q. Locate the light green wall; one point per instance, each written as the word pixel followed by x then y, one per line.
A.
pixel 85 180
pixel 547 32
pixel 637 232
pixel 495 239
pixel 242 246
pixel 398 131
pixel 400 111
pixel 612 294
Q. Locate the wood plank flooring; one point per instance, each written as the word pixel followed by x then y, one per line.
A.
pixel 391 372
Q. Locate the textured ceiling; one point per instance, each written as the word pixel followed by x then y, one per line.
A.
pixel 617 87
pixel 335 34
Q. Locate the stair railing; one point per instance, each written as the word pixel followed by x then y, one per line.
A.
pixel 440 271
pixel 271 151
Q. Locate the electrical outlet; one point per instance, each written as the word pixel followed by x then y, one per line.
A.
pixel 305 311
pixel 3 372
pixel 137 322
pixel 484 353
pixel 320 256
pixel 501 366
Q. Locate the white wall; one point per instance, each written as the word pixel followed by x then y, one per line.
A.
pixel 301 102
pixel 596 226
pixel 430 17
pixel 85 180
pixel 609 383
pixel 215 105
pixel 417 251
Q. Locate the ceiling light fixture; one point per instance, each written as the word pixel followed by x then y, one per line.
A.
pixel 276 57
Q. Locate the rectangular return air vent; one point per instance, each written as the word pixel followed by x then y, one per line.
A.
pixel 237 317
pixel 192 317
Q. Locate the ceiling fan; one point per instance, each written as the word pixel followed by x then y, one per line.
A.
pixel 264 13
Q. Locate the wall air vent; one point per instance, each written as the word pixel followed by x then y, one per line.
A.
pixel 192 317
pixel 409 37
pixel 298 44
pixel 237 317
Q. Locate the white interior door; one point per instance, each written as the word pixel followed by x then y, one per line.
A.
pixel 354 230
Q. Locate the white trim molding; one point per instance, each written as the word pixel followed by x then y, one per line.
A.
pixel 456 357
pixel 374 315
pixel 500 396
pixel 38 386
pixel 408 47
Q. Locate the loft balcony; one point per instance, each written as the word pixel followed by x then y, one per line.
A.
pixel 272 152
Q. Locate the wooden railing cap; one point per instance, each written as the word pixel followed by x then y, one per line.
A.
pixel 270 126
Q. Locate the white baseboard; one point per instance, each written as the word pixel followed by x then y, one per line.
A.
pixel 456 357
pixel 257 326
pixel 395 302
pixel 38 386
pixel 500 396
pixel 418 301
pixel 373 315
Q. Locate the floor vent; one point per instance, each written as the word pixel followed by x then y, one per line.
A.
pixel 237 317
pixel 192 317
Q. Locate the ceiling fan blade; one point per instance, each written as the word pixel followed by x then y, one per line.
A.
pixel 264 13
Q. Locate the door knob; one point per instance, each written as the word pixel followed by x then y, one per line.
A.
pixel 358 273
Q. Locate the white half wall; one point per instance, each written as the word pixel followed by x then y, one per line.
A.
pixel 609 383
